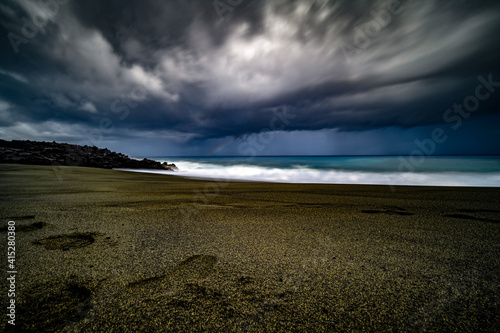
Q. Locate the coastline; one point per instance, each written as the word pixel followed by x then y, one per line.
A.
pixel 459 171
pixel 116 250
pixel 63 154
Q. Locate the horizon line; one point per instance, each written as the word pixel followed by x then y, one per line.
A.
pixel 369 155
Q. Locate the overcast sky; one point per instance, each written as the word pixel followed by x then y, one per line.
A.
pixel 234 77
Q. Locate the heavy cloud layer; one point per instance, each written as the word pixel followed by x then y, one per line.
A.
pixel 187 76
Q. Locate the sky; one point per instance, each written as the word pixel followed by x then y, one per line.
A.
pixel 250 77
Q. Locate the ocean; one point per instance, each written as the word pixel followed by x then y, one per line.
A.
pixel 377 170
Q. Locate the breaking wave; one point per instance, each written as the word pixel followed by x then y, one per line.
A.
pixel 301 174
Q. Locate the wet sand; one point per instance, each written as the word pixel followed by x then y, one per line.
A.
pixel 113 251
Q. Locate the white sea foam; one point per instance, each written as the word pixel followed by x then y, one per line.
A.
pixel 319 176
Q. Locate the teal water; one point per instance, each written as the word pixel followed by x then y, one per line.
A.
pixel 383 170
pixel 356 163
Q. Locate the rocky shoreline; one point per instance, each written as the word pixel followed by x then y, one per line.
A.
pixel 63 154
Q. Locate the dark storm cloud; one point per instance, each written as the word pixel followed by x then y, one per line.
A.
pixel 199 70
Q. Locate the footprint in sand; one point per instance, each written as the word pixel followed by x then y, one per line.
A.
pixel 181 296
pixel 49 307
pixel 26 227
pixel 21 226
pixel 482 215
pixel 193 268
pixel 24 217
pixel 67 241
pixel 388 210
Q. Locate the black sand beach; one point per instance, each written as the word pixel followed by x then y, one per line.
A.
pixel 113 251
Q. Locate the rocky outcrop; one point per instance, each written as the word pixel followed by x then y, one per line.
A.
pixel 63 154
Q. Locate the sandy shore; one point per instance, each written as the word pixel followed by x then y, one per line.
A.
pixel 112 251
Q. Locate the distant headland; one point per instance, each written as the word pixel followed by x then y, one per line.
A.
pixel 63 154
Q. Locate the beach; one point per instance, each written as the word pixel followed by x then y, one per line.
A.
pixel 114 251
